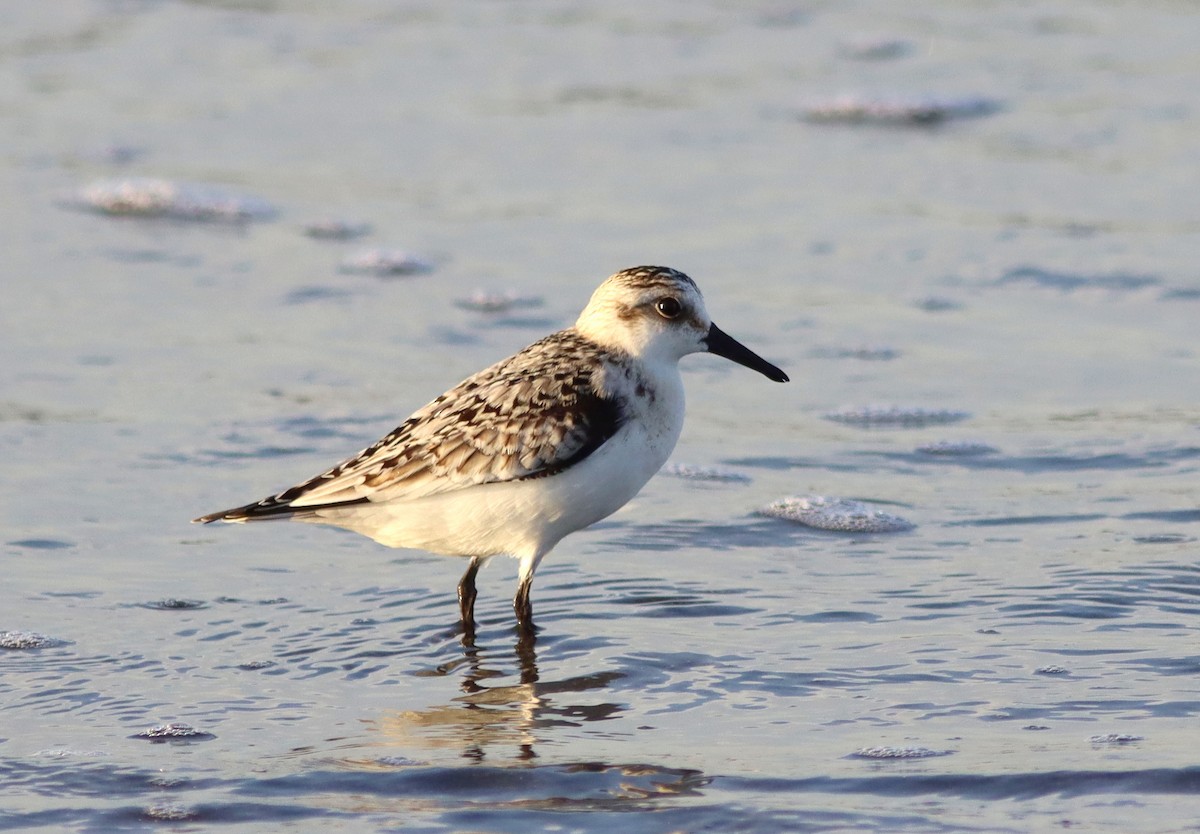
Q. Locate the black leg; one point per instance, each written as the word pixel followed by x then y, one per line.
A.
pixel 524 608
pixel 467 594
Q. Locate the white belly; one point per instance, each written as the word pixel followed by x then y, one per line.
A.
pixel 527 518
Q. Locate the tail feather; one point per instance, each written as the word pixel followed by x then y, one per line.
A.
pixel 270 509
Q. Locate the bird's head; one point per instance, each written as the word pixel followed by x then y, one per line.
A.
pixel 658 313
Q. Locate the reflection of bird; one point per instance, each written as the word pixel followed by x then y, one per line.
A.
pixel 537 446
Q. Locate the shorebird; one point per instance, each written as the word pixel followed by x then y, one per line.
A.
pixel 539 445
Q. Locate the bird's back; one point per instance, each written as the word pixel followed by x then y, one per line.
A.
pixel 532 415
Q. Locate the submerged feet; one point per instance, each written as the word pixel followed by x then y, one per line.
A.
pixel 524 609
pixel 522 605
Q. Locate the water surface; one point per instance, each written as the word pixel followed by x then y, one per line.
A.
pixel 1023 659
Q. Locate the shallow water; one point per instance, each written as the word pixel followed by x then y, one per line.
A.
pixel 1023 659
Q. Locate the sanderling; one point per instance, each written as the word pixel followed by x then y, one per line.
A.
pixel 539 445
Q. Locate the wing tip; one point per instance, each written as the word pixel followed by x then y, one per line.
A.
pixel 270 509
pixel 237 515
pixel 267 508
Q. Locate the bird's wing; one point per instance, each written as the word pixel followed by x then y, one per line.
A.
pixel 531 415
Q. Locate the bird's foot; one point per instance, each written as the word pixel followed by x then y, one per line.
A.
pixel 523 608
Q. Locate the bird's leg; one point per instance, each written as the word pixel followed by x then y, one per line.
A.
pixel 524 608
pixel 466 596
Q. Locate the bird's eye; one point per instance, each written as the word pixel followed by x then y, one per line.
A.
pixel 668 308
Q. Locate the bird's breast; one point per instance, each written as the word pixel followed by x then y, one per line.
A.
pixel 652 406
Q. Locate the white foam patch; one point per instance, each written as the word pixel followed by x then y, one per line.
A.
pixel 385 262
pixel 928 110
pixel 836 514
pixel 898 753
pixel 174 731
pixel 1115 738
pixel 147 197
pixel 485 301
pixel 18 640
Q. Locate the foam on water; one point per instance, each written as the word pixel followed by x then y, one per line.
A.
pixel 921 111
pixel 883 753
pixel 484 301
pixel 384 263
pixel 159 198
pixel 835 514
pixel 173 732
pixel 24 640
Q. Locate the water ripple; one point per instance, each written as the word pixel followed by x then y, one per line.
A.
pixel 1029 785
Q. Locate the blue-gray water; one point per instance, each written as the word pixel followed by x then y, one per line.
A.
pixel 1024 659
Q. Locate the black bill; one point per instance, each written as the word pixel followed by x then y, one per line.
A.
pixel 722 344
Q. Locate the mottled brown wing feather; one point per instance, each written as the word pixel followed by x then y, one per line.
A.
pixel 531 415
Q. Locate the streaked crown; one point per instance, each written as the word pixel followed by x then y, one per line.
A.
pixel 648 311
